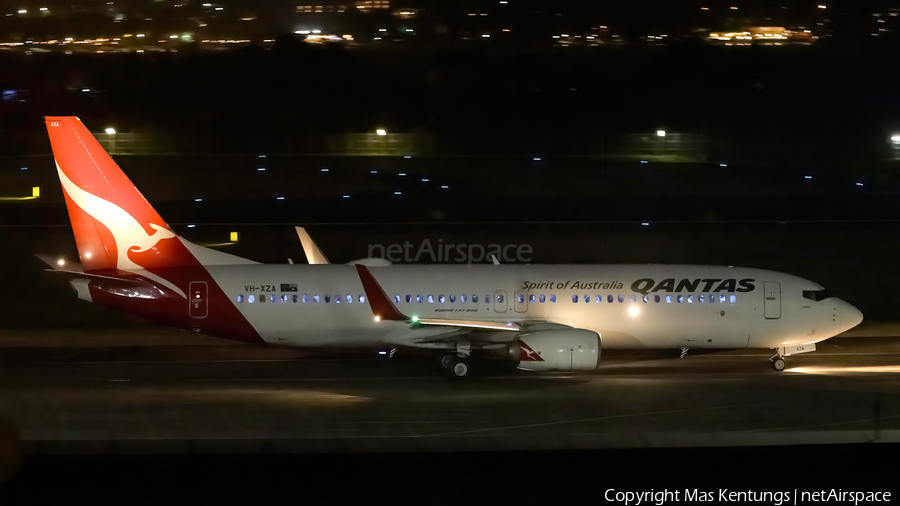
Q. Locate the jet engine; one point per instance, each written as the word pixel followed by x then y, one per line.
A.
pixel 557 350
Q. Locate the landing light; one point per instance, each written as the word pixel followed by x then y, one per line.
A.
pixel 60 262
pixel 633 311
pixel 660 133
pixel 382 353
pixel 380 131
pixel 377 318
pixel 895 138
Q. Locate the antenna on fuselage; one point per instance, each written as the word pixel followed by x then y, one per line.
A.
pixel 494 259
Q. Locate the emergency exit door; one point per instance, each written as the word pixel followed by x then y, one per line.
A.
pixel 772 300
pixel 198 299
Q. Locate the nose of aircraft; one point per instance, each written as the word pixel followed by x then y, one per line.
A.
pixel 850 316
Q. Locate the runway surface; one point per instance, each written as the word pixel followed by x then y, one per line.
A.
pixel 92 393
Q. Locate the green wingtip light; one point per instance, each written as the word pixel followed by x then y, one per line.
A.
pixel 415 318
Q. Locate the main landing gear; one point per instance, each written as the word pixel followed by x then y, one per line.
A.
pixel 457 366
pixel 457 363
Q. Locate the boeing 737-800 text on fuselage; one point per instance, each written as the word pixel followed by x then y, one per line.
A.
pixel 544 317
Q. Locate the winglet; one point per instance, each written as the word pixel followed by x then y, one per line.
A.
pixel 381 304
pixel 313 254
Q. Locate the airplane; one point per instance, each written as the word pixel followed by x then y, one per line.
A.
pixel 538 317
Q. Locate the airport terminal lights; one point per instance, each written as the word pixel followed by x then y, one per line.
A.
pixel 724 495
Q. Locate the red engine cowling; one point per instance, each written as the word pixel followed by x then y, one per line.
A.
pixel 558 350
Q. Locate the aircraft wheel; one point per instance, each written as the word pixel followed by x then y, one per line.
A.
pixel 778 364
pixel 446 360
pixel 459 368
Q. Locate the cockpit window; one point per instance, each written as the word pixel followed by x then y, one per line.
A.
pixel 816 295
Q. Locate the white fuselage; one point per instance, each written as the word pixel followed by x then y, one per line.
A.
pixel 699 307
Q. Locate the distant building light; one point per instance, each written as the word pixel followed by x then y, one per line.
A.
pixel 406 156
pixel 380 131
pixel 645 224
pixel 198 200
pixel 85 90
pixel 373 172
pixel 24 168
pixel 723 165
pixel 536 159
pixel 424 180
pixel 409 29
pixel 317 31
pixel 859 184
pixel 261 169
pixel 402 174
pixel 643 161
pixel 324 169
pixel 397 193
pixel 704 8
pixel 506 29
pixel 139 35
pixel 207 5
pixel 191 226
pixel 734 8
pixel 219 8
pixel 821 6
pixel 504 2
pixel 23 11
pixel 279 198
pixel 807 177
pixel 660 133
pixel 233 236
pixel 173 36
pixel 35 191
pixel 346 196
pixel 444 187
pixel 261 156
pixel 485 35
pixel 43 8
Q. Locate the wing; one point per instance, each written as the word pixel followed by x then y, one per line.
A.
pixel 442 333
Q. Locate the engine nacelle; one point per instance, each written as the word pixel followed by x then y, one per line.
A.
pixel 558 350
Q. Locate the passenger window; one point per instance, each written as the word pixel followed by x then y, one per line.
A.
pixel 553 298
pixel 441 299
pixel 680 299
pixel 262 299
pixel 499 299
pixel 690 299
pixel 430 299
pixel 609 298
pixel 462 298
pixel 295 298
pixel 487 299
pixel 531 299
pixel 452 298
pixel 587 298
pixel 271 298
pixel 240 298
pixel 251 299
pixel 327 298
pixel 621 298
pixel 520 298
pixel 349 298
pixel 668 299
pixel 598 299
pixel 633 298
pixel 656 298
pixel 409 298
pixel 733 299
pixel 337 299
pixel 305 298
pixel 284 299
pixel 574 298
pixel 646 299
pixel 362 299
pixel 700 299
pixel 722 299
pixel 419 298
pixel 396 298
pixel 712 299
pixel 316 298
pixel 542 298
pixel 475 298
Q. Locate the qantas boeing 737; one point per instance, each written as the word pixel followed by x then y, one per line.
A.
pixel 543 317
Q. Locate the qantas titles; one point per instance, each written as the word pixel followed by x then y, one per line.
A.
pixel 648 285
